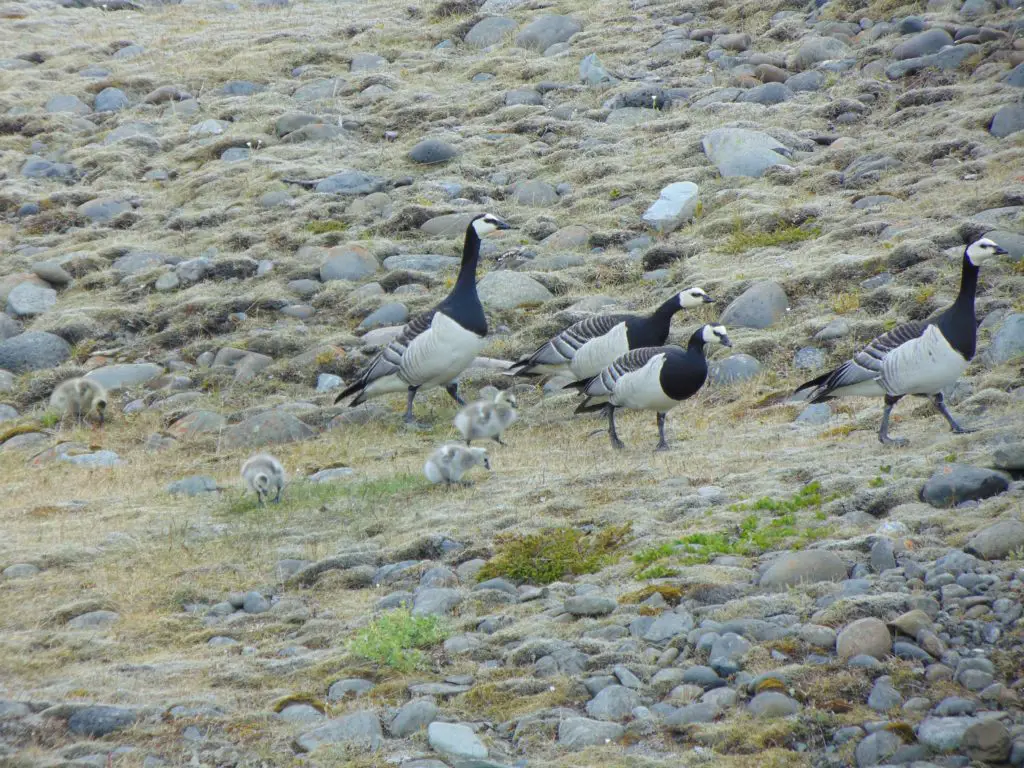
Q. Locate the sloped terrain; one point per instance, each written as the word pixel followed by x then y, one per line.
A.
pixel 222 209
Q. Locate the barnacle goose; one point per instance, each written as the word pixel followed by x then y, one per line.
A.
pixel 264 474
pixel 487 418
pixel 916 358
pixel 586 347
pixel 651 379
pixel 452 460
pixel 435 346
pixel 79 398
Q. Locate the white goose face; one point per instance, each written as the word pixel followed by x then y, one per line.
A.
pixel 716 334
pixel 488 223
pixel 694 297
pixel 984 251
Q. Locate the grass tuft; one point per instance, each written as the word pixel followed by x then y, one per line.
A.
pixel 395 639
pixel 554 554
pixel 785 234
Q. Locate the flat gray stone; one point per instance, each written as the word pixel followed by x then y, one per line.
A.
pixel 111 100
pixel 422 262
pixel 33 351
pixel 348 262
pixel 590 605
pixel 944 734
pixel 456 741
pixel 808 566
pixel 1008 340
pixel 817 49
pixel 674 207
pixel 876 748
pixel 104 209
pixel 546 30
pixel 20 571
pixel 194 485
pixel 432 152
pixel 94 620
pixel 391 313
pixel 536 193
pixel 864 637
pixel 615 702
pixel 412 717
pixel 360 730
pixel 734 369
pixel 954 484
pixel 271 428
pixel 367 62
pixel 578 733
pixel 741 152
pixel 28 300
pixel 504 289
pixel 351 183
pixel 98 721
pixel 134 262
pixel 490 31
pixel 760 306
pixel 767 94
pixel 772 704
pixel 997 541
pixel 1008 120
pixel 929 41
pixel 67 103
pixel 435 601
pixel 38 168
pixel 354 687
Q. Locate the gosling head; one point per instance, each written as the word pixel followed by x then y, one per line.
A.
pixel 262 484
pixel 715 334
pixel 694 297
pixel 101 408
pixel 984 251
pixel 480 457
pixel 505 396
pixel 486 223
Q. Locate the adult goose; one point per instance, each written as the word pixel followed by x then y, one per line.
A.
pixel 651 379
pixel 916 358
pixel 586 347
pixel 435 346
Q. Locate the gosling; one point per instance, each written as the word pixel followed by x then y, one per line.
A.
pixel 487 418
pixel 264 474
pixel 452 460
pixel 80 398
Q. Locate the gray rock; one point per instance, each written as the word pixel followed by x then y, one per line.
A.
pixel 1012 242
pixel 490 31
pixel 674 207
pixel 241 88
pixel 125 375
pixel 808 566
pixel 593 72
pixel 348 262
pixel 38 168
pixel 67 103
pixel 877 748
pixel 20 571
pixel 351 183
pixel 94 620
pixel 772 704
pixel 760 306
pixel 1009 456
pixel 997 541
pixel 1008 340
pixel 271 428
pixel 392 313
pixel 254 602
pixel 818 636
pixel 504 289
pixel 580 732
pixel 1015 76
pixel 111 100
pixel 301 713
pixel 194 485
pixel 815 414
pixel 456 741
pixel 943 734
pixel 367 62
pixel 811 80
pixel 1009 119
pixel 104 209
pixel 435 601
pixel 527 96
pixel 353 686
pixel 209 128
pixel 593 604
pixel 547 30
pixel 332 475
pixel 817 49
pixel 275 199
pixel 432 151
pixel 666 626
pixel 33 351
pixel 236 154
pixel 412 717
pixel 884 696
pixel 930 41
pixel 134 262
pixel 810 358
pixel 360 730
pixel 134 134
pixel 326 382
pixel 864 637
pixel 98 721
pixel 422 262
pixel 95 459
pixel 536 193
pixel 726 653
pixel 987 742
pixel 954 484
pixel 767 94
pixel 697 712
pixel 741 152
pixel 28 300
pixel 734 369
pixel 9 327
pixel 616 702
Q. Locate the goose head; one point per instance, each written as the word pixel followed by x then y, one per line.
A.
pixel 715 334
pixel 983 251
pixel 479 456
pixel 262 483
pixel 486 223
pixel 101 408
pixel 694 297
pixel 505 396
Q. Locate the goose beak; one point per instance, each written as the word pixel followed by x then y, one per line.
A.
pixel 1000 251
pixel 502 224
pixel 725 341
pixel 708 299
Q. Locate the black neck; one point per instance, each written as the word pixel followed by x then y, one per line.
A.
pixel 466 282
pixel 958 323
pixel 696 343
pixel 661 318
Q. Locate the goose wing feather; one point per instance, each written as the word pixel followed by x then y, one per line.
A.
pixel 388 361
pixel 563 346
pixel 603 384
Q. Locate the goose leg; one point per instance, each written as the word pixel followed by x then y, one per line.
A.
pixel 883 431
pixel 662 442
pixel 277 499
pixel 453 390
pixel 616 443
pixel 408 418
pixel 940 403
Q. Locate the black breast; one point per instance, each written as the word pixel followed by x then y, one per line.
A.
pixel 683 374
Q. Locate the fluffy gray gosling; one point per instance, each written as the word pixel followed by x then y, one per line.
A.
pixel 487 419
pixel 452 460
pixel 80 398
pixel 264 474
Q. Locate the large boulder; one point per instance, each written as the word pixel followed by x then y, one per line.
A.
pixel 505 289
pixel 742 152
pixel 33 351
pixel 760 306
pixel 270 428
pixel 808 566
pixel 490 31
pixel 953 484
pixel 547 30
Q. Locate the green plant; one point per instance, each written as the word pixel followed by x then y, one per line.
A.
pixel 396 638
pixel 555 553
pixel 49 418
pixel 808 496
pixel 323 227
pixel 844 303
pixel 784 234
pixel 876 482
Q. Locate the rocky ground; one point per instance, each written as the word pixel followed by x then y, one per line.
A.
pixel 219 209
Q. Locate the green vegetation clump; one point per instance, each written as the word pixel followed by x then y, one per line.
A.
pixel 784 234
pixel 555 553
pixel 300 495
pixel 395 639
pixel 323 227
pixel 808 496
